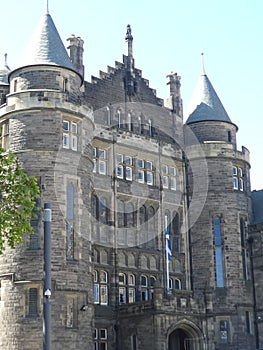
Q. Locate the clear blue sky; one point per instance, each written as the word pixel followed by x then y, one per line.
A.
pixel 169 35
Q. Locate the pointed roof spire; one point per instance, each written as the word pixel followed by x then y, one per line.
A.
pixel 205 104
pixel 46 47
pixel 202 64
pixel 129 40
pixel 4 72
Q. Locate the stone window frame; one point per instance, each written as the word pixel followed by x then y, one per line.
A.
pixel 100 160
pixel 100 287
pixel 32 303
pixel 70 135
pixel 4 135
pixel 100 338
pixel 238 178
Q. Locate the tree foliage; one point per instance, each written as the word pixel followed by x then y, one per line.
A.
pixel 18 194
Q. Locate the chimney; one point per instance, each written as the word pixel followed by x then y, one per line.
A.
pixel 76 53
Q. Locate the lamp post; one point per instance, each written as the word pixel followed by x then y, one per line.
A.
pixel 47 277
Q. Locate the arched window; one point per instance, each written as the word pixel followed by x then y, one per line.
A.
pixel 131 280
pixel 70 222
pixel 144 286
pixel 121 213
pixel 100 287
pixel 130 215
pixel 177 284
pixel 119 119
pixel 143 215
pixel 108 115
pixel 243 249
pixel 144 281
pixel 122 288
pixel 103 257
pixel 103 217
pixel 175 233
pixel 218 251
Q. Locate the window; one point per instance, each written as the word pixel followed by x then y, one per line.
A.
pixel 99 161
pixel 100 338
pixel 32 302
pixel 248 322
pixel 218 252
pixel 224 329
pixel 133 342
pixel 145 172
pixel 124 166
pixel 169 174
pixel 71 312
pixel 100 287
pixel 4 136
pixel 238 178
pixel 70 223
pixel 243 249
pixel 70 135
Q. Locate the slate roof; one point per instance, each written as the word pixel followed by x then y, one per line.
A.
pixel 205 104
pixel 46 47
pixel 257 204
pixel 4 72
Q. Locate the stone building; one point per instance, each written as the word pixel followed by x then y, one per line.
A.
pixel 151 215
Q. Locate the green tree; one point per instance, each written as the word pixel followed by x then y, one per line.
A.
pixel 18 194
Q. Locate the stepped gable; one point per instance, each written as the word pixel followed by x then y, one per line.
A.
pixel 124 83
pixel 110 88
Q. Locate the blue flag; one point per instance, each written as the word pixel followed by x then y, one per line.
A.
pixel 167 238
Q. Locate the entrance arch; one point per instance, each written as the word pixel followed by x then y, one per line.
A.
pixel 186 336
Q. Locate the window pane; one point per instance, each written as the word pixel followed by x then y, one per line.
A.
pixel 149 165
pixel 128 160
pixel 103 333
pixel 119 158
pixel 173 183
pixel 104 295
pixel 74 142
pixel 140 176
pixel 164 169
pixel 241 184
pixel 219 267
pixel 140 163
pixel 65 125
pixel 234 170
pixel 103 277
pixel 32 301
pixel 120 171
pixel 122 295
pixel 131 295
pixel 65 141
pixel 149 178
pixel 172 171
pixel 96 294
pixel 240 172
pixel 144 281
pixel 122 278
pixel 235 183
pixel 74 128
pixel 102 154
pixel 102 167
pixel 131 280
pixel 165 181
pixel 129 173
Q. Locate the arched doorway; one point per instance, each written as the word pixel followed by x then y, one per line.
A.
pixel 186 336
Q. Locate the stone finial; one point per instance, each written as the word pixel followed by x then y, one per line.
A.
pixel 129 39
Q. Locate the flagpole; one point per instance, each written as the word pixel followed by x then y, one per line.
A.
pixel 166 253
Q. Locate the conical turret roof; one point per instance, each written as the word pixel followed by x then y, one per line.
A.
pixel 4 72
pixel 46 47
pixel 205 104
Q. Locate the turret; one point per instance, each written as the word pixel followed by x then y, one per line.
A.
pixel 50 132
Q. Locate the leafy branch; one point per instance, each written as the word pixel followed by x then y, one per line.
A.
pixel 18 194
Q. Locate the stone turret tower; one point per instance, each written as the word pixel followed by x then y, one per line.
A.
pixel 50 132
pixel 221 276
